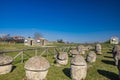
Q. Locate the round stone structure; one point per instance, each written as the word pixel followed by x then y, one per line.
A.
pixel 74 52
pixel 78 68
pixel 91 57
pixel 36 68
pixel 88 47
pixel 98 49
pixel 115 49
pixel 81 49
pixel 5 64
pixel 62 58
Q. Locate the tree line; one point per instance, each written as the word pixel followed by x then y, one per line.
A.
pixel 8 38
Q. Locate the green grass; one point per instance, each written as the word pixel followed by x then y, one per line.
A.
pixel 102 69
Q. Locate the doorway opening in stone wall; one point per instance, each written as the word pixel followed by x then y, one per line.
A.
pixel 31 42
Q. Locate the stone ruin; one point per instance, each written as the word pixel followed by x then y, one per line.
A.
pixel 81 49
pixel 98 49
pixel 116 53
pixel 89 47
pixel 74 52
pixel 62 58
pixel 36 68
pixel 78 68
pixel 116 56
pixel 91 57
pixel 5 64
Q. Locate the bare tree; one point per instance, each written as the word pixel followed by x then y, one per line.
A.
pixel 37 35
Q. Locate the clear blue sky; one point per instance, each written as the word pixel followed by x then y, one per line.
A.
pixel 70 20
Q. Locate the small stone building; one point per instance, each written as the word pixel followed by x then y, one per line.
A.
pixel 114 40
pixel 36 42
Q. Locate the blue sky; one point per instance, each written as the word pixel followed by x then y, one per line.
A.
pixel 70 20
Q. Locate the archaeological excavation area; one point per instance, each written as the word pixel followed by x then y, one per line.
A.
pixel 99 61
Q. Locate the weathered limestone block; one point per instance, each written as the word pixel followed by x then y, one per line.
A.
pixel 36 68
pixel 81 49
pixel 98 49
pixel 91 57
pixel 62 58
pixel 78 68
pixel 5 64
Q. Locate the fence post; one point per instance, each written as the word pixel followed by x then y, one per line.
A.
pixel 47 51
pixel 54 51
pixel 36 52
pixel 22 56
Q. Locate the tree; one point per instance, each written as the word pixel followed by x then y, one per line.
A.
pixel 60 41
pixel 37 35
pixel 5 37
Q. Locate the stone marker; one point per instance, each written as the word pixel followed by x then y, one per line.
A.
pixel 115 49
pixel 74 52
pixel 118 66
pixel 98 49
pixel 116 53
pixel 5 64
pixel 36 68
pixel 116 56
pixel 88 47
pixel 62 58
pixel 91 57
pixel 78 68
pixel 81 49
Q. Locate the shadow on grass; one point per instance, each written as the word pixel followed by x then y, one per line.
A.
pixel 108 56
pixel 108 62
pixel 109 52
pixel 13 68
pixel 109 75
pixel 67 72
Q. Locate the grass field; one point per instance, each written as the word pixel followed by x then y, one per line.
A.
pixel 102 69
